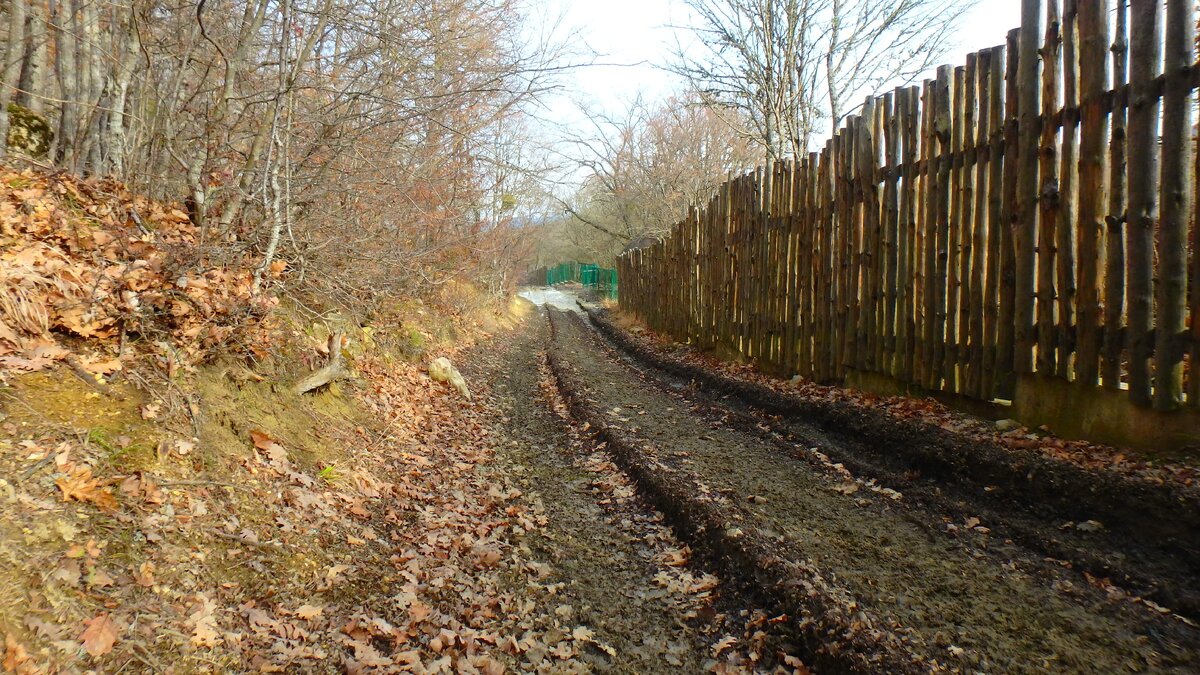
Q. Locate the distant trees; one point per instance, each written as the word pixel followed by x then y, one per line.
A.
pixel 640 172
pixel 794 67
pixel 357 139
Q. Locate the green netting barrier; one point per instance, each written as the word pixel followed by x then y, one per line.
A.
pixel 588 275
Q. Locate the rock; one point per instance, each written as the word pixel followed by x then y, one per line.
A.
pixel 441 370
pixel 1007 425
pixel 28 132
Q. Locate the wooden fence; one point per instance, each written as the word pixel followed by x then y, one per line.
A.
pixel 1027 212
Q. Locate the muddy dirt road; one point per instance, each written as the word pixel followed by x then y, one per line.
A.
pixel 862 577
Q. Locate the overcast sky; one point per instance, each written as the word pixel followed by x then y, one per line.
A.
pixel 639 34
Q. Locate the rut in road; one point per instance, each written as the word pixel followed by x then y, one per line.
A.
pixel 1138 533
pixel 613 565
pixel 879 584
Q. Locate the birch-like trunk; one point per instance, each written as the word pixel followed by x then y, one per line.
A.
pixel 12 66
pixel 63 17
pixel 32 85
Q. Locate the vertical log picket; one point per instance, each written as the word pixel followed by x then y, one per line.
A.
pixel 1025 203
pixel 1006 328
pixel 1144 54
pixel 1032 211
pixel 1067 199
pixel 954 229
pixel 1175 198
pixel 1048 197
pixel 1114 233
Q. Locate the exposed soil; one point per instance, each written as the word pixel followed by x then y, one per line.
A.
pixel 603 553
pixel 1141 535
pixel 871 577
pixel 223 523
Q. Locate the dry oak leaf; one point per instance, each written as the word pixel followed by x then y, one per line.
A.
pixel 274 451
pixel 204 622
pixel 100 635
pixel 81 486
pixel 145 574
pixel 307 612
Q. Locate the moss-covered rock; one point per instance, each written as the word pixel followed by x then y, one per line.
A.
pixel 28 132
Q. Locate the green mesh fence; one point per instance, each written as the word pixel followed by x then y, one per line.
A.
pixel 588 275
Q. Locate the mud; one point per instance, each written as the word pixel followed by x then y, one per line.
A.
pixel 605 559
pixel 872 579
pixel 1148 540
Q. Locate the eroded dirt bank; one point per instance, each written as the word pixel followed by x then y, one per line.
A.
pixel 872 579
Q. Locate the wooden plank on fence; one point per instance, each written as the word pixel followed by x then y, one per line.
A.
pixel 782 218
pixel 869 175
pixel 1114 235
pixel 941 205
pixel 853 238
pixel 1194 289
pixel 1067 199
pixel 1006 327
pixel 809 252
pixel 879 262
pixel 840 256
pixel 825 297
pixel 1176 199
pixel 1144 55
pixel 1048 198
pixel 1093 73
pixel 958 117
pixel 966 233
pixel 1025 220
pixel 762 296
pixel 926 241
pixel 890 227
pixel 908 123
pixel 864 237
pixel 980 300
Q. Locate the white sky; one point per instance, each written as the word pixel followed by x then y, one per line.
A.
pixel 639 33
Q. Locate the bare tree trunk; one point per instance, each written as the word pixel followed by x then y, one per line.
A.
pixel 63 13
pixel 92 89
pixel 118 144
pixel 32 85
pixel 13 54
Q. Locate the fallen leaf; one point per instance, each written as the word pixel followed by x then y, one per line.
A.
pixel 204 623
pixel 79 485
pixel 100 635
pixel 261 440
pixel 307 612
pixel 145 574
pixel 723 644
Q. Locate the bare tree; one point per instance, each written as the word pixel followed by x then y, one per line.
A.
pixel 790 66
pixel 11 70
pixel 357 139
pixel 641 171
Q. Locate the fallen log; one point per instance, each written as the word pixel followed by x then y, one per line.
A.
pixel 335 369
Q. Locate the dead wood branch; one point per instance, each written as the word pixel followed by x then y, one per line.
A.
pixel 334 370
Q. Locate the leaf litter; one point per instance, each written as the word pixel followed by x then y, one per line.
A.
pixel 172 527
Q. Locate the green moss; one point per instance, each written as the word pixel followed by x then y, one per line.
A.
pixel 303 424
pixel 28 132
pixel 410 343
